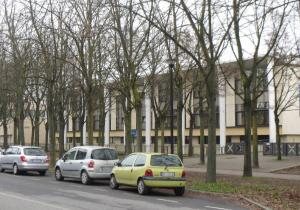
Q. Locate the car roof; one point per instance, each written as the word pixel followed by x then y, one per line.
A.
pixel 25 146
pixel 91 147
pixel 151 153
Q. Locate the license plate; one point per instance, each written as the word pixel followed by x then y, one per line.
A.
pixel 36 161
pixel 167 174
pixel 105 169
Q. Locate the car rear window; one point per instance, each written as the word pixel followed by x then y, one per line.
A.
pixel 34 152
pixel 104 154
pixel 165 160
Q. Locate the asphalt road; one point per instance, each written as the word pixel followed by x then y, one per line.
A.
pixel 33 192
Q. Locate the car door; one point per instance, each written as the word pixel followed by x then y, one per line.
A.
pixel 67 163
pixel 138 168
pixel 123 174
pixel 5 158
pixel 78 162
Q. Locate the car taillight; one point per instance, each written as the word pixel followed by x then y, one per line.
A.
pixel 91 164
pixel 23 158
pixel 183 174
pixel 148 172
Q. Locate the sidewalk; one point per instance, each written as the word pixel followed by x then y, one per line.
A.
pixel 233 165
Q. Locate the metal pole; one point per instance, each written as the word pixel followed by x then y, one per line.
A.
pixel 171 108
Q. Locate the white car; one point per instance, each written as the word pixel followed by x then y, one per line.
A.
pixel 86 163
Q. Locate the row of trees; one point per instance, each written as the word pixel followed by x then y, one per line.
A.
pixel 62 59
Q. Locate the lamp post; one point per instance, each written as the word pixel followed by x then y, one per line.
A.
pixel 171 63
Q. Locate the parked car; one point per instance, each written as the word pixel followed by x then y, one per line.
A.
pixel 150 170
pixel 86 163
pixel 24 158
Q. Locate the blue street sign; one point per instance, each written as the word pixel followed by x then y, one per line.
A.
pixel 133 133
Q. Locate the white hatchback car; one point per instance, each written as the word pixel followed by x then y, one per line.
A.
pixel 86 163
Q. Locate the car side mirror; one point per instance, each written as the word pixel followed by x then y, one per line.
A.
pixel 118 164
pixel 64 158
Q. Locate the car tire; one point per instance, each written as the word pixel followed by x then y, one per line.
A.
pixel 1 169
pixel 142 188
pixel 58 175
pixel 42 173
pixel 179 191
pixel 113 183
pixel 16 169
pixel 85 179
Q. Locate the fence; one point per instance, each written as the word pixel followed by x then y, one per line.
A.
pixel 287 149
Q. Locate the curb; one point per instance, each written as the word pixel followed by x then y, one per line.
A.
pixel 276 170
pixel 229 195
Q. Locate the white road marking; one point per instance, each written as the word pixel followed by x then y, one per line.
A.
pixel 100 190
pixel 214 207
pixel 170 201
pixel 35 179
pixel 33 201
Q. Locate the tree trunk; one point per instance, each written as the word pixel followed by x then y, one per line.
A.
pixel 162 137
pixel 191 151
pixel 81 125
pixel 5 135
pixel 15 131
pixel 37 127
pixel 247 144
pixel 254 137
pixel 51 126
pixel 128 141
pixel 90 120
pixel 32 135
pixel 46 136
pixel 278 140
pixel 139 142
pixel 211 152
pixel 156 135
pixel 202 137
pixel 179 119
pixel 61 133
pixel 74 131
pixel 21 136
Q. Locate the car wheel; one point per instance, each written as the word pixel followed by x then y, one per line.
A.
pixel 179 191
pixel 42 173
pixel 113 183
pixel 1 169
pixel 142 189
pixel 16 169
pixel 85 179
pixel 58 175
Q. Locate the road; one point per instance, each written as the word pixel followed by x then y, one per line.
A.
pixel 33 192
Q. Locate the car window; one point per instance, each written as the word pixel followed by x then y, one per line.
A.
pixel 9 151
pixel 111 154
pixel 128 161
pixel 165 160
pixel 81 154
pixel 104 154
pixel 140 160
pixel 15 151
pixel 71 155
pixel 34 152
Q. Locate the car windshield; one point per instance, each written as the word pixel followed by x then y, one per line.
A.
pixel 104 154
pixel 165 160
pixel 34 152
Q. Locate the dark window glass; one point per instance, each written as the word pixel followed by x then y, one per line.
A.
pixel 165 160
pixel 34 152
pixel 70 155
pixel 140 160
pixel 80 155
pixel 104 154
pixel 128 161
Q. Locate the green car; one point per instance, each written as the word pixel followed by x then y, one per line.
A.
pixel 150 170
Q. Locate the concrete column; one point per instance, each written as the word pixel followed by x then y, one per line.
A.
pixel 107 121
pixel 271 93
pixel 222 116
pixel 148 122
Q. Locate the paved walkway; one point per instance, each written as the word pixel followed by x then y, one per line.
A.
pixel 233 165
